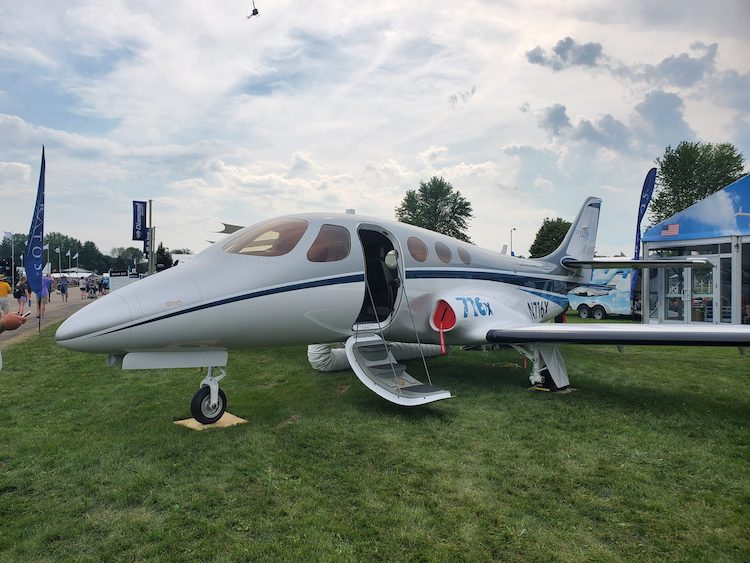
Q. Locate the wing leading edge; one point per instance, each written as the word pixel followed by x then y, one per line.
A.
pixel 612 333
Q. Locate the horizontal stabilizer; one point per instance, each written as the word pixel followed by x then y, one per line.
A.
pixel 613 333
pixel 604 263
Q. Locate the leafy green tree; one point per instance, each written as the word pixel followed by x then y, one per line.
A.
pixel 12 248
pixel 691 172
pixel 437 206
pixel 126 258
pixel 90 258
pixel 163 256
pixel 65 243
pixel 549 236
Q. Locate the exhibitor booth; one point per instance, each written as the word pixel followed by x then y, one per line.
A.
pixel 716 228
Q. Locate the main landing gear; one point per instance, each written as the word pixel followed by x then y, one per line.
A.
pixel 548 371
pixel 209 402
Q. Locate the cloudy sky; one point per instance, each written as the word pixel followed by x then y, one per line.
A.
pixel 525 107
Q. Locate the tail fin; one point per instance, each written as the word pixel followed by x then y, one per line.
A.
pixel 580 240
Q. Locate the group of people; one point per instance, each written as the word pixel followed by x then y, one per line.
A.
pixel 93 286
pixel 8 320
pixel 23 295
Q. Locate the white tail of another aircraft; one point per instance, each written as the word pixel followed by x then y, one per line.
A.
pixel 580 241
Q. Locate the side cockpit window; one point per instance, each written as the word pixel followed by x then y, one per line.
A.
pixel 272 238
pixel 332 244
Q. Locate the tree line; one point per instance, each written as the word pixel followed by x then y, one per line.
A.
pixel 89 256
pixel 686 174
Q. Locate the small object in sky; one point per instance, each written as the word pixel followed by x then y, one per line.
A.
pixel 254 12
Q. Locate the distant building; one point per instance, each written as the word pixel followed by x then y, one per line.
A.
pixel 717 228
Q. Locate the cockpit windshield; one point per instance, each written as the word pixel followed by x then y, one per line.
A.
pixel 272 238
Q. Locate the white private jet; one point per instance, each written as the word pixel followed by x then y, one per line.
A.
pixel 311 278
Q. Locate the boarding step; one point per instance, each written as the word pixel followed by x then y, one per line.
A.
pixel 375 366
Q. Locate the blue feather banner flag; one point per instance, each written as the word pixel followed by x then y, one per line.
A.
pixel 646 192
pixel 33 258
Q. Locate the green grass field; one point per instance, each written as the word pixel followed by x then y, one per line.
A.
pixel 647 460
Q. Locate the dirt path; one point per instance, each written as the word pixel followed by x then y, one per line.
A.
pixel 55 311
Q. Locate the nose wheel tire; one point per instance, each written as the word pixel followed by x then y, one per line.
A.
pixel 201 409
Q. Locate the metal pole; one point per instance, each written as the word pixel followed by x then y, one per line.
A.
pixel 511 240
pixel 151 236
pixel 13 260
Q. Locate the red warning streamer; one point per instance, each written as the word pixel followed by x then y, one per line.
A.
pixel 444 319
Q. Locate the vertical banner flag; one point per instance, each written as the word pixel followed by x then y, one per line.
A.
pixel 648 189
pixel 32 260
pixel 139 220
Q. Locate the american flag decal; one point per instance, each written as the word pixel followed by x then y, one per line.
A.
pixel 671 230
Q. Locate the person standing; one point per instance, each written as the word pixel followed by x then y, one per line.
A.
pixel 63 287
pixel 43 297
pixel 22 294
pixel 5 292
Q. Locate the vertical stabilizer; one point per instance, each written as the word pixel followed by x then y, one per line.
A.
pixel 580 241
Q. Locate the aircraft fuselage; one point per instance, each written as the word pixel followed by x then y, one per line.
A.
pixel 230 297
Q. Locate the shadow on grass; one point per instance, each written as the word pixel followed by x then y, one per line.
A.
pixel 660 402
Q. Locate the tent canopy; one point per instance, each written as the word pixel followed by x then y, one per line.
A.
pixel 723 213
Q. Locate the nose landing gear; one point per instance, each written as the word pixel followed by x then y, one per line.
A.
pixel 209 402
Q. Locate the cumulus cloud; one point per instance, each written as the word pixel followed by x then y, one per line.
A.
pixel 567 53
pixel 662 118
pixel 733 89
pixel 606 131
pixel 692 72
pixel 554 119
pixel 680 70
pixel 432 154
pixel 15 178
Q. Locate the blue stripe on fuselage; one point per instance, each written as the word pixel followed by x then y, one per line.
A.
pixel 525 282
pixel 558 287
pixel 262 293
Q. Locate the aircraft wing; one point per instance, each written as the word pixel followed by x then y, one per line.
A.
pixel 604 263
pixel 621 333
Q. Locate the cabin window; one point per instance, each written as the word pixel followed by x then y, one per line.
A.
pixel 332 244
pixel 272 238
pixel 443 252
pixel 464 255
pixel 417 249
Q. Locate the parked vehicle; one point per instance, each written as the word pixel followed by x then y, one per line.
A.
pixel 608 294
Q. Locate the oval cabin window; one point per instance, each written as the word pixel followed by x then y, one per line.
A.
pixel 464 255
pixel 272 238
pixel 443 252
pixel 332 244
pixel 417 249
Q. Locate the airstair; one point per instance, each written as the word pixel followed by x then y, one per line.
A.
pixel 376 367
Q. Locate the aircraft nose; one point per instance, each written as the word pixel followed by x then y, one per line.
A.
pixel 79 332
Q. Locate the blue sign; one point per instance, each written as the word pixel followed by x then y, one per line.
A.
pixel 139 220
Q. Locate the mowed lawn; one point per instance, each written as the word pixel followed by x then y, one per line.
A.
pixel 647 460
